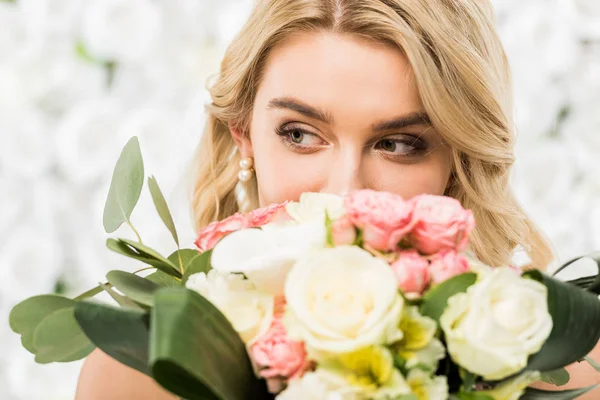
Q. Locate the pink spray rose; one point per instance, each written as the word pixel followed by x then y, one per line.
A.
pixel 278 357
pixel 447 264
pixel 385 218
pixel 440 223
pixel 412 272
pixel 215 231
pixel 343 232
pixel 272 213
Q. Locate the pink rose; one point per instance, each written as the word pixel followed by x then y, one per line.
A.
pixel 272 213
pixel 447 264
pixel 343 232
pixel 211 234
pixel 412 272
pixel 278 357
pixel 440 223
pixel 385 218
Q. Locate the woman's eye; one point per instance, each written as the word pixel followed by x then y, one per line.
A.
pixel 402 146
pixel 297 137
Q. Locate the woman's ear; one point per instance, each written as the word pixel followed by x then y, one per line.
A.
pixel 242 140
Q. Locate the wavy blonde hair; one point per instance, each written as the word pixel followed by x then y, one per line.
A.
pixel 462 75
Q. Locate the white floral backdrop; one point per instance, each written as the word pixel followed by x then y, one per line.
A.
pixel 79 77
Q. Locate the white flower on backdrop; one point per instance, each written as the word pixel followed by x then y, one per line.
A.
pixel 79 77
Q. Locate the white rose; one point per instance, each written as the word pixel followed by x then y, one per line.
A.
pixel 266 255
pixel 342 299
pixel 249 311
pixel 312 207
pixel 497 324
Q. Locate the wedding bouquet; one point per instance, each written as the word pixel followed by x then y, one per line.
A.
pixel 367 296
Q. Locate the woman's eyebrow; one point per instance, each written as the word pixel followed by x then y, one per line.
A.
pixel 290 103
pixel 412 119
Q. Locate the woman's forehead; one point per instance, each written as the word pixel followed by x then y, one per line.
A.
pixel 344 75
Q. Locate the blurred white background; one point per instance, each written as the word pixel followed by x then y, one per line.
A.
pixel 79 77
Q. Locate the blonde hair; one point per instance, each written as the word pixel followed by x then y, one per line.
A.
pixel 462 75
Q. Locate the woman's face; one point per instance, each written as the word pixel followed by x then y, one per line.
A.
pixel 337 113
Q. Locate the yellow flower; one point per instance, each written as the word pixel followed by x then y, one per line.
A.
pixel 418 346
pixel 418 330
pixel 425 387
pixel 369 372
pixel 370 367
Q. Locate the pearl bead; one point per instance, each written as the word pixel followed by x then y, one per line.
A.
pixel 245 175
pixel 246 163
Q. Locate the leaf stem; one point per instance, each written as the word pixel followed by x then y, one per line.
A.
pixel 180 262
pixel 135 231
pixel 142 270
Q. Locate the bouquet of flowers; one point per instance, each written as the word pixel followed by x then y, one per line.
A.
pixel 367 296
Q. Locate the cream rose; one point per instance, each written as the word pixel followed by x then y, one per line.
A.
pixel 342 299
pixel 312 207
pixel 249 311
pixel 497 324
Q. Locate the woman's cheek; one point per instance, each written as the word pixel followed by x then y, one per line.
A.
pixel 284 176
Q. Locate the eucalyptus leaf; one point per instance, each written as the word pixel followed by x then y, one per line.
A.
pixel 163 209
pixel 125 186
pixel 162 279
pixel 436 300
pixel 200 262
pixel 136 288
pixel 25 316
pixel 120 333
pixel 118 298
pixel 558 377
pixel 195 352
pixel 537 394
pixel 144 254
pixel 576 325
pixel 58 338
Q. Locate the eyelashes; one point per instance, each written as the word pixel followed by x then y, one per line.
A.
pixel 395 147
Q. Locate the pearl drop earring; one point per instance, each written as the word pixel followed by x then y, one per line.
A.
pixel 246 170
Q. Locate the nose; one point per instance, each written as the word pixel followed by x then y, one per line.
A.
pixel 345 173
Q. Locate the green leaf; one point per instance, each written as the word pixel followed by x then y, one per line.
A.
pixel 591 283
pixel 125 187
pixel 119 299
pixel 537 394
pixel 200 262
pixel 89 294
pixel 436 300
pixel 576 331
pixel 136 288
pixel 58 338
pixel 120 333
pixel 26 316
pixel 162 279
pixel 144 254
pixel 195 352
pixel 593 363
pixel 473 396
pixel 558 377
pixel 468 380
pixel 163 209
